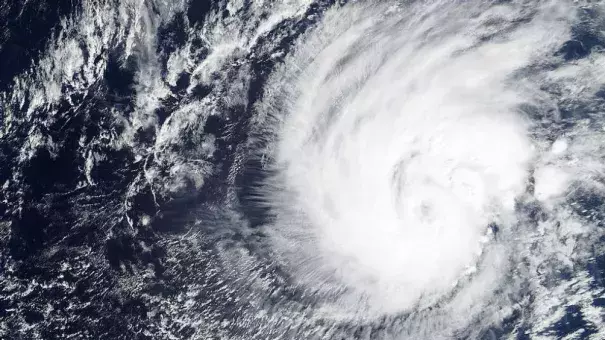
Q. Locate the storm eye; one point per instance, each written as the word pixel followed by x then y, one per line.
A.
pixel 426 211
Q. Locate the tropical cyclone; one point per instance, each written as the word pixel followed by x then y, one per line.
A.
pixel 249 169
pixel 405 142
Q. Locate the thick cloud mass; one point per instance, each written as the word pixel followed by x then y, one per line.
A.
pixel 407 142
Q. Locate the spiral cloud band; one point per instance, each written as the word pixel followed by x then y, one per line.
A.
pixel 410 150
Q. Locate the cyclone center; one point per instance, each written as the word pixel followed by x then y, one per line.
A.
pixel 394 186
pixel 400 206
